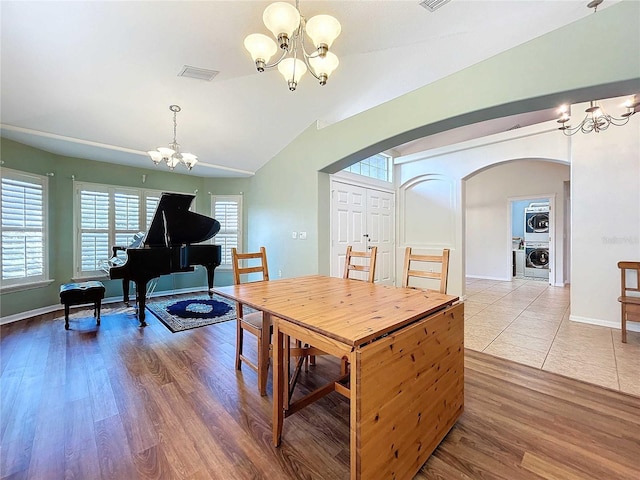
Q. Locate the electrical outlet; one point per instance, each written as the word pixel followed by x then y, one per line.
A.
pixel 303 235
pixel 294 235
pixel 279 273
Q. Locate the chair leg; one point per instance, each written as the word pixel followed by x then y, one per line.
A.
pixel 264 341
pixel 624 324
pixel 239 335
pixel 344 366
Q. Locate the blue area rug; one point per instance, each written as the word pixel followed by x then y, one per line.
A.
pixel 194 312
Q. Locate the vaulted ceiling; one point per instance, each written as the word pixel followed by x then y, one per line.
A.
pixel 95 79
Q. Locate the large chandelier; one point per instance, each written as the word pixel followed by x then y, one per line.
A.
pixel 288 26
pixel 596 119
pixel 172 155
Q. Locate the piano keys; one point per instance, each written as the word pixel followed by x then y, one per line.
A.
pixel 167 248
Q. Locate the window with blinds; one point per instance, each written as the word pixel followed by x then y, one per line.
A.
pixel 23 216
pixel 227 210
pixel 108 216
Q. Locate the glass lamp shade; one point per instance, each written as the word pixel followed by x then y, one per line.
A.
pixel 156 156
pixel 172 162
pixel 189 160
pixel 281 17
pixel 292 69
pixel 323 30
pixel 324 65
pixel 260 47
pixel 166 152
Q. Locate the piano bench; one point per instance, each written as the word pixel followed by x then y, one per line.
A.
pixel 79 294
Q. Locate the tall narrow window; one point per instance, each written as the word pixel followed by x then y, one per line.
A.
pixel 23 212
pixel 227 210
pixel 94 229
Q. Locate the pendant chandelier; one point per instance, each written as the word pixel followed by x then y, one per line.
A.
pixel 288 27
pixel 596 119
pixel 172 155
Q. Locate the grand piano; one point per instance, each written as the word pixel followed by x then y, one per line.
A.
pixel 168 247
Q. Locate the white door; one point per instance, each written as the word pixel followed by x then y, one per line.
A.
pixel 363 218
pixel 380 229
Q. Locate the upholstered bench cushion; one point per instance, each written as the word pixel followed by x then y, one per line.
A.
pixel 78 293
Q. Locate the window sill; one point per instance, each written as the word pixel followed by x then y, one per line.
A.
pixel 87 278
pixel 19 287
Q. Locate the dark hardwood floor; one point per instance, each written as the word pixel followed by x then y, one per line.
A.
pixel 123 402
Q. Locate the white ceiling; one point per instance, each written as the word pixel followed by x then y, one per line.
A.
pixel 95 79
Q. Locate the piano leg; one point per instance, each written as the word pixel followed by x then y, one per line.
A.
pixel 125 290
pixel 210 271
pixel 141 294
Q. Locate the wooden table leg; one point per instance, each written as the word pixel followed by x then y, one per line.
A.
pixel 263 373
pixel 354 418
pixel 278 383
pixel 286 368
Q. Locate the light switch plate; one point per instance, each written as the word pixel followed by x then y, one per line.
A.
pixel 303 235
pixel 294 235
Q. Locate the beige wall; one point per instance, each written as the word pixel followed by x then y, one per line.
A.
pixel 605 198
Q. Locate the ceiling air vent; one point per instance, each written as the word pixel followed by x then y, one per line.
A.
pixel 198 73
pixel 433 5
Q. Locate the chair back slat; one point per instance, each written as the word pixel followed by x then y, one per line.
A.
pixel 441 273
pixel 629 294
pixel 626 286
pixel 239 269
pixel 366 267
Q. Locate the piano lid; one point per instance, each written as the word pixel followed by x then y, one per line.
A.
pixel 174 225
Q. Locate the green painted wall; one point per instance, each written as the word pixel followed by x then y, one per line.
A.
pixel 27 159
pixel 290 193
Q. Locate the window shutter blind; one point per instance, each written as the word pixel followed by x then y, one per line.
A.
pixel 126 216
pixel 227 212
pixel 23 221
pixel 94 242
pixel 151 203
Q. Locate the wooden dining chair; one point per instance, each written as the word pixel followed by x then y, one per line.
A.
pixel 245 264
pixel 428 263
pixel 367 264
pixel 629 303
pixel 355 261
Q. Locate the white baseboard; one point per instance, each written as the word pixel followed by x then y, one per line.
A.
pixel 631 326
pixel 52 308
pixel 484 277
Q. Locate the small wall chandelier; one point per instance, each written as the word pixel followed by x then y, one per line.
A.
pixel 172 155
pixel 596 119
pixel 289 27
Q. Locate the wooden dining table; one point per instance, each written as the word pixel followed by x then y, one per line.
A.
pixel 405 356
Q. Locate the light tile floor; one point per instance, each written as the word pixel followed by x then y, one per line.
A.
pixel 527 321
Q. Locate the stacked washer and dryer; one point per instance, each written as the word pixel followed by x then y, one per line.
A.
pixel 536 240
